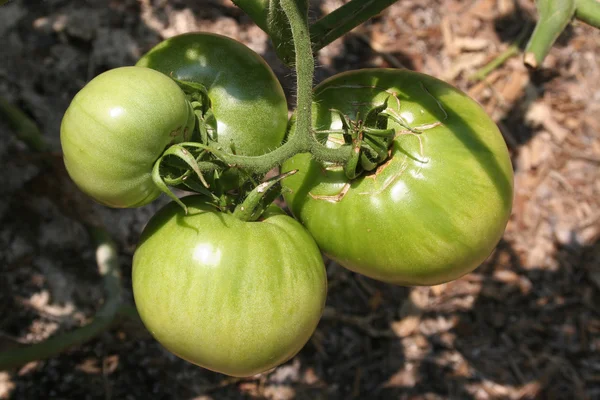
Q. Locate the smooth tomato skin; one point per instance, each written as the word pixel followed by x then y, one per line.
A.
pixel 234 297
pixel 116 127
pixel 246 98
pixel 430 214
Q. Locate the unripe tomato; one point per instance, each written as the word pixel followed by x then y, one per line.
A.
pixel 232 296
pixel 116 127
pixel 431 213
pixel 246 98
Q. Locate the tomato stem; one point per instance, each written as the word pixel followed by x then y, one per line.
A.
pixel 588 11
pixel 302 140
pixel 24 127
pixel 363 147
pixel 554 15
pixel 341 21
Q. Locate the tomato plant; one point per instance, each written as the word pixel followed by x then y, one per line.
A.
pixel 246 99
pixel 431 213
pixel 232 296
pixel 398 176
pixel 116 127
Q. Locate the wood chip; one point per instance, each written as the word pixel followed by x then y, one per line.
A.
pixel 406 326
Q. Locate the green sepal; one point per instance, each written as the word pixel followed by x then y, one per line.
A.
pixel 398 119
pixel 367 163
pixel 182 153
pixel 351 168
pixel 384 133
pixel 374 117
pixel 260 198
pixel 178 180
pixel 196 91
pixel 378 145
pixel 160 183
pixel 195 186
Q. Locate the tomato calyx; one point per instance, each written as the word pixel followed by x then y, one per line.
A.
pixel 206 123
pixel 260 198
pixel 180 163
pixel 179 167
pixel 369 137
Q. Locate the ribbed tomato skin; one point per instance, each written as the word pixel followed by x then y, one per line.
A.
pixel 435 210
pixel 232 296
pixel 246 98
pixel 116 127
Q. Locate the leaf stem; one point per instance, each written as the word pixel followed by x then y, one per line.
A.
pixel 344 19
pixel 588 11
pixel 554 15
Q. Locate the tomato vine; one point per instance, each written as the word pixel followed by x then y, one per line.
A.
pixel 405 180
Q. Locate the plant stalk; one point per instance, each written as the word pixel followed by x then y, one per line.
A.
pixel 108 266
pixel 344 19
pixel 588 11
pixel 25 129
pixel 302 139
pixel 554 15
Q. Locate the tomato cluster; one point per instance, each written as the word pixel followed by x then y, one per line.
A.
pixel 426 200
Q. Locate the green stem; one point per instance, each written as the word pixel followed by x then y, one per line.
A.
pixel 511 51
pixel 588 11
pixel 305 66
pixel 25 129
pixel 344 19
pixel 302 139
pixel 554 15
pixel 339 155
pixel 266 162
pixel 270 17
pixel 266 14
pixel 108 266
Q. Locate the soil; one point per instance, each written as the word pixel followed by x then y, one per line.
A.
pixel 525 325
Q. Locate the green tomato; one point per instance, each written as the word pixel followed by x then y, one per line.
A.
pixel 232 296
pixel 430 214
pixel 116 127
pixel 246 98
